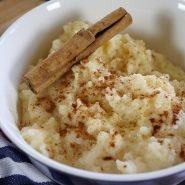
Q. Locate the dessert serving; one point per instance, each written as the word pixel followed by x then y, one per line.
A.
pixel 110 106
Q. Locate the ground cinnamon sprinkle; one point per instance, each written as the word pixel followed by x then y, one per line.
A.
pixel 165 113
pixel 46 103
pixel 112 144
pixel 155 129
pixel 72 145
pixel 74 105
pixel 176 109
pixel 107 158
pixel 118 111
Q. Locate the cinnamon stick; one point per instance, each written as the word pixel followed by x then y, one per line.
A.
pixel 105 36
pixel 80 46
pixel 107 21
pixel 46 72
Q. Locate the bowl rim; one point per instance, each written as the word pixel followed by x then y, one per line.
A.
pixel 29 151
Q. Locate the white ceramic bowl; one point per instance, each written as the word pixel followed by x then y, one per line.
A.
pixel 160 23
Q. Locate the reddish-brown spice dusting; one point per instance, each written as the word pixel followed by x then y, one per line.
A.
pixel 79 130
pixel 69 116
pixel 112 144
pixel 115 133
pixel 82 84
pixel 160 141
pixel 170 134
pixel 165 114
pixel 74 105
pixel 72 145
pixel 85 61
pixel 142 96
pixel 161 121
pixel 62 97
pixel 23 124
pixel 156 128
pixel 85 102
pixel 107 158
pixel 46 103
pixel 152 120
pixel 176 110
pixel 63 132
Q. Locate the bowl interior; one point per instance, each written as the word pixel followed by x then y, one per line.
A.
pixel 158 23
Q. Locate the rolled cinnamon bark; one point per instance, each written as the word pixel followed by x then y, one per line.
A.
pixel 81 45
pixel 46 72
pixel 116 28
pixel 107 21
